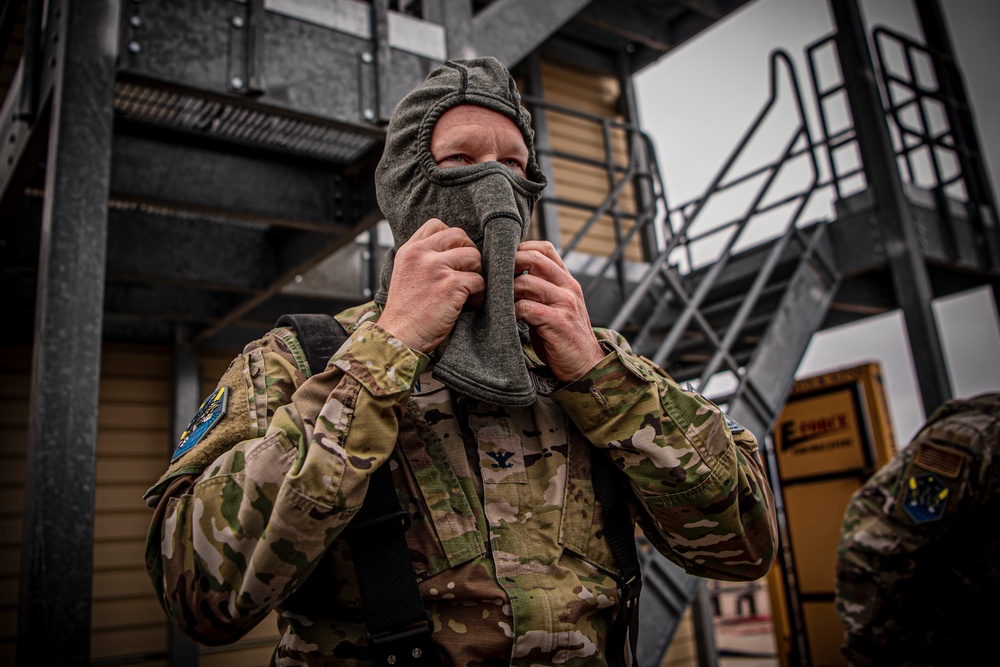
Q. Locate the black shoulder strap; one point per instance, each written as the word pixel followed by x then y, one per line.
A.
pixel 608 486
pixel 319 334
pixel 397 625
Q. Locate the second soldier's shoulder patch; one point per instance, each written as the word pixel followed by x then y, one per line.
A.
pixel 212 409
pixel 925 497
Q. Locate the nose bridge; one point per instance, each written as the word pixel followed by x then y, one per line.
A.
pixel 493 196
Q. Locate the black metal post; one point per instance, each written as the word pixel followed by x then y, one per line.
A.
pixel 910 279
pixel 982 204
pixel 183 652
pixel 548 212
pixel 57 543
pixel 639 156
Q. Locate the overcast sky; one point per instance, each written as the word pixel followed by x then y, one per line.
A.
pixel 698 100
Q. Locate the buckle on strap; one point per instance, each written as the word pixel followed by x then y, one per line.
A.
pixel 630 590
pixel 410 646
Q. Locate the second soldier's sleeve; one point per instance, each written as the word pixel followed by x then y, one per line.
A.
pixel 894 524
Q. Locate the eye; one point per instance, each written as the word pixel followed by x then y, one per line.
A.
pixel 456 160
pixel 513 164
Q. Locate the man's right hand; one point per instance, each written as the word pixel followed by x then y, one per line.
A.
pixel 435 273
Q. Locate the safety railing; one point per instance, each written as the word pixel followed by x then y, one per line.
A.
pixel 687 239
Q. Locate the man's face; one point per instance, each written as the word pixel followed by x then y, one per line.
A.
pixel 470 134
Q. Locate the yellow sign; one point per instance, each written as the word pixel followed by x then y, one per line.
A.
pixel 821 433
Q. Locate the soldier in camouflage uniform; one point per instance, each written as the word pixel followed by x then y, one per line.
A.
pixel 918 563
pixel 506 536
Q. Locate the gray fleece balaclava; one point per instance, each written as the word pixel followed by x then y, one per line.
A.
pixel 482 358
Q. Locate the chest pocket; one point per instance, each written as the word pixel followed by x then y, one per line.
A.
pixel 434 484
pixel 582 528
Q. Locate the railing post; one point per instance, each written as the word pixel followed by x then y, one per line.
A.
pixel 548 211
pixel 182 651
pixel 910 279
pixel 982 204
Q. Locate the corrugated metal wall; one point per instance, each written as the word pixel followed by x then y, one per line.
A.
pixel 587 182
pixel 133 449
pixel 133 442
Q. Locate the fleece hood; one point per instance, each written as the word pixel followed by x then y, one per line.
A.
pixel 483 357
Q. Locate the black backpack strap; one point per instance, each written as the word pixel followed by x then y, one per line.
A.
pixel 397 625
pixel 319 334
pixel 618 527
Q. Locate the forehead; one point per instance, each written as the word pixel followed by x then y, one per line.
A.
pixel 469 120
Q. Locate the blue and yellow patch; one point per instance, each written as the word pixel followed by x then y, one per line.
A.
pixel 926 497
pixel 212 409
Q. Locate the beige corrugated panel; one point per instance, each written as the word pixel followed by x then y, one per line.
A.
pixel 133 448
pixel 579 181
pixel 133 441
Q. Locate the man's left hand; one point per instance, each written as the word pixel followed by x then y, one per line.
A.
pixel 551 302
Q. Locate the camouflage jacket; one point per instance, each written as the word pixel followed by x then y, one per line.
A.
pixel 918 562
pixel 506 536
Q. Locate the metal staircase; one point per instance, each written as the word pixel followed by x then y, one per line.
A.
pixel 728 304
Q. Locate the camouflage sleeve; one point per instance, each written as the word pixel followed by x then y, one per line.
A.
pixel 248 531
pixel 706 502
pixel 894 525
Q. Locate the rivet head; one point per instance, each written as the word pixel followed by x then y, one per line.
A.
pixel 366 57
pixel 417 653
pixel 134 21
pixel 237 22
pixel 369 114
pixel 134 47
pixel 236 82
pixel 391 660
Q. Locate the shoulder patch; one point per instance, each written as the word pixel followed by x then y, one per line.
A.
pixel 212 409
pixel 734 427
pixel 939 459
pixel 925 498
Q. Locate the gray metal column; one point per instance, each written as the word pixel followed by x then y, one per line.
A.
pixel 639 157
pixel 983 207
pixel 548 211
pixel 910 279
pixel 183 652
pixel 57 544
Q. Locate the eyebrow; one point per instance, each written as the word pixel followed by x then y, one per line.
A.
pixel 468 139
